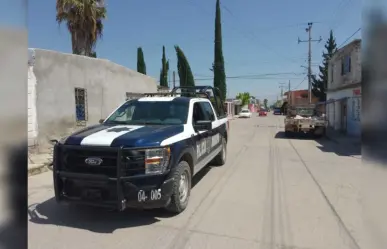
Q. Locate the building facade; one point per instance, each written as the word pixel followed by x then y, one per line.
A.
pixel 67 92
pixel 343 105
pixel 299 97
pixel 233 106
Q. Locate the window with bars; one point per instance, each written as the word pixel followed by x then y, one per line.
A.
pixel 346 65
pixel 80 104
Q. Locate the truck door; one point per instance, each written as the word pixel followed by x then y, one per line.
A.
pixel 203 138
pixel 214 137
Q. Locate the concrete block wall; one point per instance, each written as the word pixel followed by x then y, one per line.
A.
pixel 335 79
pixel 58 74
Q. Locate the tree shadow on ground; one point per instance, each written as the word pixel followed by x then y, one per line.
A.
pixel 98 220
pixel 326 145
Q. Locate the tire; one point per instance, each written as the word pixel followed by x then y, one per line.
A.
pixel 177 205
pixel 221 158
pixel 322 134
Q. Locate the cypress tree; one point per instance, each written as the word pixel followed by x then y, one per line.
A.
pixel 184 69
pixel 141 67
pixel 164 70
pixel 218 65
pixel 265 101
pixel 319 85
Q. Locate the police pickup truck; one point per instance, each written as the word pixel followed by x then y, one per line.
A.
pixel 145 153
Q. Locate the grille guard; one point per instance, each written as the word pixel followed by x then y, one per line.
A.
pixel 59 173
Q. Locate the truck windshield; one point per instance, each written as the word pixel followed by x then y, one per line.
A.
pixel 150 112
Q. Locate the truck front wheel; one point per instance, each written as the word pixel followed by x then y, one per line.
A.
pixel 181 189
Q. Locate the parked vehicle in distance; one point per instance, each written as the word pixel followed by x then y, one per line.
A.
pixel 277 111
pixel 245 114
pixel 145 153
pixel 304 119
pixel 262 112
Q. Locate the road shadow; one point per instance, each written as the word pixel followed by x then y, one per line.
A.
pixel 330 146
pixel 98 220
pixel 325 145
pixel 301 136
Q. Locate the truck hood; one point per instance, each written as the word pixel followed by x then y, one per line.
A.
pixel 123 135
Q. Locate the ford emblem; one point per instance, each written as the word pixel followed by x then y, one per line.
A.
pixel 94 161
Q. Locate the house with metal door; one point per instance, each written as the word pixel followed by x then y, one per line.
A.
pixel 343 105
pixel 68 92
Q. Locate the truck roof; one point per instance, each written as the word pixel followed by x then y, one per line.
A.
pixel 167 98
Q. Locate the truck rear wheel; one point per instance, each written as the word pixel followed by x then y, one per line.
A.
pixel 221 158
pixel 181 189
pixel 320 132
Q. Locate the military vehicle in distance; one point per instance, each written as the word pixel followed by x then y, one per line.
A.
pixel 304 119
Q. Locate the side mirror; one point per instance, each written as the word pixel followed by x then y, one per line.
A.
pixel 54 141
pixel 101 120
pixel 203 125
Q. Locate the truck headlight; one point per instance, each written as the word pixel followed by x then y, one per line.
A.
pixel 157 160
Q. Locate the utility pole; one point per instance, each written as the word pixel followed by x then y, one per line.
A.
pixel 309 30
pixel 281 85
pixel 289 95
pixel 174 79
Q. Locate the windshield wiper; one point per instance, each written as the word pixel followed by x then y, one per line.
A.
pixel 146 123
pixel 116 122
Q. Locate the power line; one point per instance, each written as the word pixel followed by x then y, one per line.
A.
pixel 341 10
pixel 349 38
pixel 256 79
pixel 300 83
pixel 268 28
pixel 253 35
pixel 343 43
pixel 342 5
pixel 255 75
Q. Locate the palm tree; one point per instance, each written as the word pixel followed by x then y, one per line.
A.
pixel 244 98
pixel 84 22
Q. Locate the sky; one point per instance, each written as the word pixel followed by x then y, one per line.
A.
pixel 259 37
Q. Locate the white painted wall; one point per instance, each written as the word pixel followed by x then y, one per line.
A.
pixel 32 118
pixel 56 75
pixel 334 111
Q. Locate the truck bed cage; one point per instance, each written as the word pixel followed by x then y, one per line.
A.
pixel 158 94
pixel 188 91
pixel 194 92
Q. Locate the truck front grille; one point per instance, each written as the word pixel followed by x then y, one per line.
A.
pixel 73 159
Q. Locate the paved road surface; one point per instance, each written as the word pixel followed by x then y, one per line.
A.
pixel 272 193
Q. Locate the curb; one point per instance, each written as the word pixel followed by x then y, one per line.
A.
pixel 38 169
